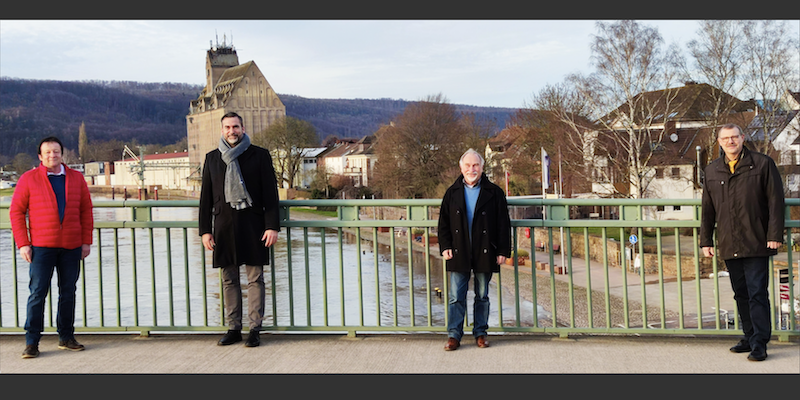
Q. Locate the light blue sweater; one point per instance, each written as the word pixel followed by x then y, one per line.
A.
pixel 471 198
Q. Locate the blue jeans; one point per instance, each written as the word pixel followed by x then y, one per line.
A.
pixel 750 279
pixel 457 304
pixel 66 263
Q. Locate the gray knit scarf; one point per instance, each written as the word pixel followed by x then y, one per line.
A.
pixel 235 192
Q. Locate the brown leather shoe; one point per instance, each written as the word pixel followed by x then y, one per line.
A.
pixel 451 344
pixel 482 342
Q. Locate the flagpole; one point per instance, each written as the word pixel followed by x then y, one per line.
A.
pixel 560 194
pixel 545 179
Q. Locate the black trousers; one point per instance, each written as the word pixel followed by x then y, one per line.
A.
pixel 750 279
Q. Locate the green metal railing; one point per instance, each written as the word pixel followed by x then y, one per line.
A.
pixel 374 267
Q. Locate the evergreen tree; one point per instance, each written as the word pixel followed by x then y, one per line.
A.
pixel 83 143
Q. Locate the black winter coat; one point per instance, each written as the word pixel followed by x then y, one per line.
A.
pixel 238 233
pixel 491 228
pixel 747 206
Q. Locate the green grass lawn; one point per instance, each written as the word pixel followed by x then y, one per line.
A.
pixel 316 212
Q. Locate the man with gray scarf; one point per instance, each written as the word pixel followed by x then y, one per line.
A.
pixel 238 221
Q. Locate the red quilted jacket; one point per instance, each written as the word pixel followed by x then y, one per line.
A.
pixel 34 195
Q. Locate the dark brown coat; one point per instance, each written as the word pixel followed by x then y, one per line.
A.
pixel 238 233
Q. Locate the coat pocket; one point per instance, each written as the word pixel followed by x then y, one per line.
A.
pixel 218 203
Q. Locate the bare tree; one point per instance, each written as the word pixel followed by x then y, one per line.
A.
pixel 287 139
pixel 557 119
pixel 477 130
pixel 70 157
pixel 771 69
pixel 632 78
pixel 108 150
pixel 718 56
pixel 418 154
pixel 23 162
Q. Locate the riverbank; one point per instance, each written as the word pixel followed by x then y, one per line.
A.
pixel 569 300
pixel 122 192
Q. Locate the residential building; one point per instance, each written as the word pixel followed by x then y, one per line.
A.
pixel 679 133
pixel 353 159
pixel 360 162
pixel 500 151
pixel 305 170
pixel 308 167
pixel 782 129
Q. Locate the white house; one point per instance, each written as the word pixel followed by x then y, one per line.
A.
pixel 360 161
pixel 672 170
pixel 354 160
pixel 305 174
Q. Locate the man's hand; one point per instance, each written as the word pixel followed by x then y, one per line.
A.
pixel 447 254
pixel 85 250
pixel 773 244
pixel 269 237
pixel 208 241
pixel 708 251
pixel 501 260
pixel 27 253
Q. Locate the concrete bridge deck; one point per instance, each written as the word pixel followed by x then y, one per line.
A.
pixel 418 353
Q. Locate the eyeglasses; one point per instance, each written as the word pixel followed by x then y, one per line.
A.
pixel 729 138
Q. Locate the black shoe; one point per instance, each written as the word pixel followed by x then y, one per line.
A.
pixel 70 344
pixel 231 337
pixel 253 339
pixel 742 347
pixel 31 351
pixel 758 355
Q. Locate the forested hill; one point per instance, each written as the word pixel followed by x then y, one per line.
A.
pixel 154 113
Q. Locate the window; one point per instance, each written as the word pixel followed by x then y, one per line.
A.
pixel 660 208
pixel 676 208
pixel 659 173
pixel 676 172
pixel 656 146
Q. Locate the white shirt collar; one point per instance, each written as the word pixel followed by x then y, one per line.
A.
pixel 62 172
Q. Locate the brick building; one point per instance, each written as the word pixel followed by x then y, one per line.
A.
pixel 230 86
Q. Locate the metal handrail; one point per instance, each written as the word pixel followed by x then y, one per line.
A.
pixel 345 273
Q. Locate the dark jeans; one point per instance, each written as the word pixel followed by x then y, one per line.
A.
pixel 66 263
pixel 749 279
pixel 457 304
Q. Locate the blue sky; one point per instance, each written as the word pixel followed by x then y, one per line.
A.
pixel 499 63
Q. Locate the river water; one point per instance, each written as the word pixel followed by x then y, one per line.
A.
pixel 348 285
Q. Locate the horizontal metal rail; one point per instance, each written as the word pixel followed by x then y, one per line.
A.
pixel 374 266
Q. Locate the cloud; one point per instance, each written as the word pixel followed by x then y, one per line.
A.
pixel 479 62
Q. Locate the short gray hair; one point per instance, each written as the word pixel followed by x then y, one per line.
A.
pixel 468 152
pixel 731 126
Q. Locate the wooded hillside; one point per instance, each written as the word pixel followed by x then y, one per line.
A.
pixel 154 113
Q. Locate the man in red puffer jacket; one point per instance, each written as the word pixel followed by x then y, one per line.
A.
pixel 56 235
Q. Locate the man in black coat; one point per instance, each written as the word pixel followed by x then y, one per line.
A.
pixel 238 221
pixel 743 196
pixel 474 238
